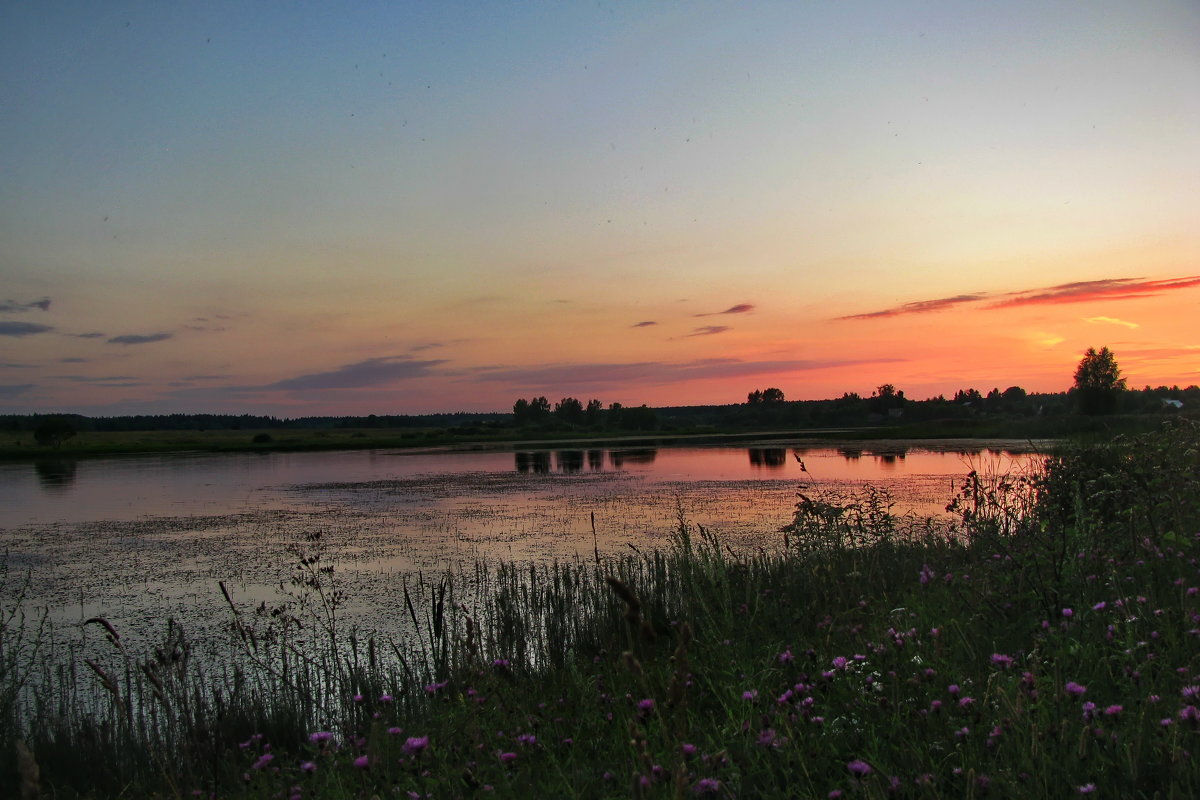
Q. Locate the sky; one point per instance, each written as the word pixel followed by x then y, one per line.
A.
pixel 299 208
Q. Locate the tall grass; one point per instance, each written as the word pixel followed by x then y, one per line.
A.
pixel 1046 644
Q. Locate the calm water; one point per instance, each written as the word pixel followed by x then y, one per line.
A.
pixel 142 539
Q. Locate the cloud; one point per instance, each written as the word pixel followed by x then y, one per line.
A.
pixel 12 307
pixel 74 360
pixel 562 376
pixel 22 328
pixel 708 330
pixel 15 365
pixel 1111 321
pixel 740 308
pixel 140 339
pixel 644 324
pixel 12 390
pixel 1077 292
pixel 372 372
pixel 101 379
pixel 919 307
pixel 92 335
pixel 1107 289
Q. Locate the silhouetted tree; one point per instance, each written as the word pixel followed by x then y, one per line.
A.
pixel 569 410
pixel 1098 382
pixel 772 395
pixel 594 412
pixel 53 431
pixel 755 398
pixel 539 409
pixel 521 411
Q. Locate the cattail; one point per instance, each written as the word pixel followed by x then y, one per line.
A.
pixel 112 636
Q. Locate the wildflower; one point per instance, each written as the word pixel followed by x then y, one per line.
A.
pixel 1189 714
pixel 501 663
pixel 358 698
pixel 839 662
pixel 786 656
pixel 1099 607
pixel 414 745
pixel 308 766
pixel 527 739
pixel 966 702
pixel 508 758
pixel 320 737
pixel 688 749
pixel 1113 710
pixel 434 688
pixel 1089 710
pixel 927 574
pixel 362 762
pixel 962 732
pixel 645 706
pixel 395 731
pixel 707 786
pixel 1075 689
pixel 750 694
pixel 1087 788
pixel 859 768
pixel 385 698
pixel 766 738
pixel 836 793
pixel 953 689
pixel 263 760
pixel 1001 660
pixel 1190 692
pixel 1068 613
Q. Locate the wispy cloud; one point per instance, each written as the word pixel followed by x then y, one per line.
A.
pixel 1111 321
pixel 1107 289
pixel 12 390
pixel 565 376
pixel 140 339
pixel 644 324
pixel 740 308
pixel 13 307
pixel 91 335
pixel 372 372
pixel 919 307
pixel 22 328
pixel 1077 292
pixel 97 379
pixel 708 330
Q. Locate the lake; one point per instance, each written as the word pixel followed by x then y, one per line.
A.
pixel 141 539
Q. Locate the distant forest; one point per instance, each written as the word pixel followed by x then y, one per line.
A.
pixel 763 409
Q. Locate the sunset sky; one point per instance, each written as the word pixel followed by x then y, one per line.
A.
pixel 300 208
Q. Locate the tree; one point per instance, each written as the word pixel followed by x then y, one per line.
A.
pixel 521 410
pixel 1098 382
pixel 594 412
pixel 772 395
pixel 54 431
pixel 569 409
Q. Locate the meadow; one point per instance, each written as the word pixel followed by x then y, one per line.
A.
pixel 1044 643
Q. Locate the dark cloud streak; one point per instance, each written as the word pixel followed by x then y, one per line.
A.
pixel 23 328
pixel 363 374
pixel 740 308
pixel 140 339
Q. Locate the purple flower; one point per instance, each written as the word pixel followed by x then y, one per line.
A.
pixel 501 663
pixel 1087 788
pixel 1190 692
pixel 645 706
pixel 308 766
pixel 395 731
pixel 859 768
pixel 1098 607
pixel 1075 689
pixel 839 662
pixel 434 688
pixel 926 574
pixel 414 745
pixel 320 737
pixel 263 760
pixel 363 761
pixel 688 749
pixel 1068 613
pixel 1001 660
pixel 707 786
pixel 385 698
pixel 527 739
pixel 750 694
pixel 508 758
pixel 786 656
pixel 1113 710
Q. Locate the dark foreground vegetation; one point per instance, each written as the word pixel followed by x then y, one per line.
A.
pixel 1046 644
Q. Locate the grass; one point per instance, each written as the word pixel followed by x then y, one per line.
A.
pixel 1045 645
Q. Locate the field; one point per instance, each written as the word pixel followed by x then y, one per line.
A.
pixel 1044 645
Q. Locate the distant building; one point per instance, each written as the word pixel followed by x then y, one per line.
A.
pixel 1167 401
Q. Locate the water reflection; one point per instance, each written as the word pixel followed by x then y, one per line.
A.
pixel 55 474
pixel 768 457
pixel 619 458
pixel 850 453
pixel 569 461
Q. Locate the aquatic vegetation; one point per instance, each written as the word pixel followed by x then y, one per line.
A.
pixel 1037 649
